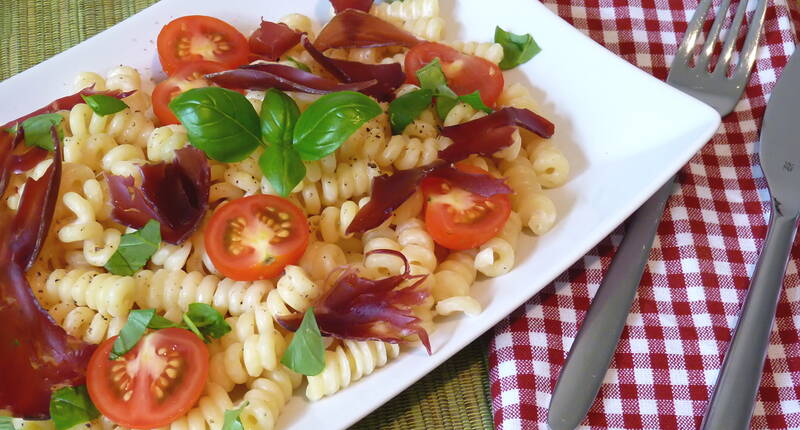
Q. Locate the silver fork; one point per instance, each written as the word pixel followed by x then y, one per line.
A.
pixel 591 353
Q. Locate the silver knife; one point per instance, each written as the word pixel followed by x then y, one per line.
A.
pixel 731 405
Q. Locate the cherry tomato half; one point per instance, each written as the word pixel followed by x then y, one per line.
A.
pixel 155 383
pixel 197 37
pixel 187 77
pixel 458 219
pixel 465 73
pixel 255 237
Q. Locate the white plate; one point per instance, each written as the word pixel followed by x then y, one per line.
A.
pixel 624 132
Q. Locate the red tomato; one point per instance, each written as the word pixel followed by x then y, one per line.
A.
pixel 187 77
pixel 256 237
pixel 155 383
pixel 465 73
pixel 458 219
pixel 197 37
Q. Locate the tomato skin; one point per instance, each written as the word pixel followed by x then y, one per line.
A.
pixel 465 73
pixel 143 410
pixel 222 237
pixel 445 223
pixel 186 39
pixel 190 75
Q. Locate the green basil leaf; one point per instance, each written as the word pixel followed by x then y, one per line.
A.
pixel 330 120
pixel 37 130
pixel 206 322
pixel 232 420
pixel 432 77
pixel 306 352
pixel 6 423
pixel 444 105
pixel 283 168
pixel 279 114
pixel 135 249
pixel 158 322
pixel 474 100
pixel 406 108
pixel 70 406
pixel 132 332
pixel 517 48
pixel 104 105
pixel 299 65
pixel 220 122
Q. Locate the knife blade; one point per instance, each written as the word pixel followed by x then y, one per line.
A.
pixel 731 405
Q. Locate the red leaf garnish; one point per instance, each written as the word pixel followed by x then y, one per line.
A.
pixel 68 102
pixel 272 40
pixel 389 192
pixel 389 76
pixel 284 78
pixel 487 135
pixel 174 194
pixel 356 29
pixel 366 309
pixel 362 5
pixel 27 160
pixel 36 355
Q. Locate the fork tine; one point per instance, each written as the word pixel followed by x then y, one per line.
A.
pixel 730 40
pixel 750 49
pixel 711 40
pixel 692 31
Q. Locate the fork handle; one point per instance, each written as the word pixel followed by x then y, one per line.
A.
pixel 732 403
pixel 593 348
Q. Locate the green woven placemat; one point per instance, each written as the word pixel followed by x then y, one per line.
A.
pixel 454 396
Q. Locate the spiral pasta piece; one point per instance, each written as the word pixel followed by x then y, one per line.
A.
pixel 382 265
pixel 124 160
pixel 417 244
pixel 535 208
pixel 86 323
pixel 487 50
pixel 172 257
pixel 549 163
pixel 426 28
pixel 406 10
pixel 209 413
pixel 333 221
pixel 172 291
pixel 164 141
pixel 294 292
pixel 98 243
pixel 453 279
pixel 348 363
pixel 126 127
pixel 266 397
pixel 518 96
pixel 103 292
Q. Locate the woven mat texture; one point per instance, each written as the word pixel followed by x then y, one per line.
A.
pixel 454 396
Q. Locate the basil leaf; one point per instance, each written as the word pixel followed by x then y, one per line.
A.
pixel 444 105
pixel 474 100
pixel 6 423
pixel 135 249
pixel 37 130
pixel 406 108
pixel 330 120
pixel 299 65
pixel 70 406
pixel 158 322
pixel 282 167
pixel 278 116
pixel 104 105
pixel 432 77
pixel 138 321
pixel 232 420
pixel 220 122
pixel 517 48
pixel 306 353
pixel 206 322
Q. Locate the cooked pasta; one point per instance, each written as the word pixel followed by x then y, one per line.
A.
pixel 487 50
pixel 86 323
pixel 103 292
pixel 537 210
pixel 348 363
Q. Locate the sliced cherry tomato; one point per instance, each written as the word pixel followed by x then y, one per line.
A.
pixel 465 73
pixel 458 219
pixel 187 77
pixel 197 37
pixel 256 237
pixel 155 383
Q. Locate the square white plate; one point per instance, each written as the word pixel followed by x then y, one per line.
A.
pixel 624 132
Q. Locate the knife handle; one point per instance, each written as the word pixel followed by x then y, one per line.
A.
pixel 731 405
pixel 593 348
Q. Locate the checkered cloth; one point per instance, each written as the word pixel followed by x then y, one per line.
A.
pixel 699 269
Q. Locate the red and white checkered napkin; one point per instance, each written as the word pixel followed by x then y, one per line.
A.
pixel 699 270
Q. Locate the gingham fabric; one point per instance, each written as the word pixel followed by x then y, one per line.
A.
pixel 699 269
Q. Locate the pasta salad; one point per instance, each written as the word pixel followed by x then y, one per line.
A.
pixel 281 216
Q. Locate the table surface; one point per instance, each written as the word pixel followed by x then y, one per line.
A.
pixel 454 396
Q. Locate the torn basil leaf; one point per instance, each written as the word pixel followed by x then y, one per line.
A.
pixel 135 249
pixel 517 48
